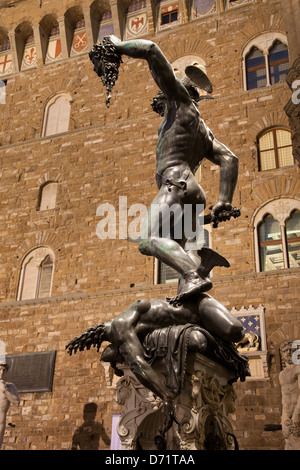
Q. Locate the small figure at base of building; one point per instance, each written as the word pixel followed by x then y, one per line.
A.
pixel 8 395
pixel 289 379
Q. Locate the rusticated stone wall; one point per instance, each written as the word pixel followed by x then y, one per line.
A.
pixel 110 153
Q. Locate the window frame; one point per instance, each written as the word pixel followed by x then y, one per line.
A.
pixel 290 241
pixel 169 14
pixel 281 210
pixel 264 43
pixel 46 118
pixel 278 62
pixel 38 255
pixel 275 149
pixel 266 243
pixel 162 11
pixel 255 68
pixel 41 271
pixel 41 195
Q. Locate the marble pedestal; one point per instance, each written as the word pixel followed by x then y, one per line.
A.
pixel 201 409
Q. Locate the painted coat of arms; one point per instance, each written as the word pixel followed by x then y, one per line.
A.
pixel 137 24
pixel 6 62
pixel 54 47
pixel 29 56
pixel 79 44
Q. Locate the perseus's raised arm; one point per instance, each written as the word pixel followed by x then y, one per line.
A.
pixel 161 70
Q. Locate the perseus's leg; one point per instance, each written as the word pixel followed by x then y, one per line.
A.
pixel 166 212
pixel 162 226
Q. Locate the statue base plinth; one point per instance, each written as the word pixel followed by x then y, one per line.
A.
pixel 201 409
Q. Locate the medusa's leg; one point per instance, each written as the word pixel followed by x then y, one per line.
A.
pixel 197 342
pixel 214 317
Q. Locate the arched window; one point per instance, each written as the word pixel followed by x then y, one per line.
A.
pixel 57 115
pixel 270 243
pixel 200 8
pixel 292 232
pixel 76 31
pixel 36 274
pixel 106 26
pixel 101 20
pixel 265 60
pixel 179 66
pixel 50 39
pixel 275 149
pixel 278 62
pixel 277 235
pixel 45 278
pixel 54 46
pixel 256 69
pixel 47 196
pixel 25 45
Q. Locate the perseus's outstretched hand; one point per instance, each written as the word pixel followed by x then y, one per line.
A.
pixel 221 212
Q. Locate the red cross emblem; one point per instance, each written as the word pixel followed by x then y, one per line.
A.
pixel 4 61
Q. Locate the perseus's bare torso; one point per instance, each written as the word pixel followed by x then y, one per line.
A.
pixel 183 138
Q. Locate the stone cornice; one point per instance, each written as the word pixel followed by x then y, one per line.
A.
pixel 148 290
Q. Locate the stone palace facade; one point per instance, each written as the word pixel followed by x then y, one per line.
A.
pixel 64 156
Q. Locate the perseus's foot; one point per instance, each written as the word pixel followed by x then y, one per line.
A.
pixel 193 284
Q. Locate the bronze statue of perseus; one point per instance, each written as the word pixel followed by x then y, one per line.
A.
pixel 184 140
pixel 192 320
